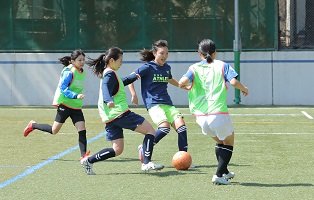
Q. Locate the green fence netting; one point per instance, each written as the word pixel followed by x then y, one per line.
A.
pixel 95 25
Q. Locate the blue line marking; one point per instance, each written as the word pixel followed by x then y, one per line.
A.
pixel 49 160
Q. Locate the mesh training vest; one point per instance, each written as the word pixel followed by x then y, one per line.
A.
pixel 77 86
pixel 119 99
pixel 208 91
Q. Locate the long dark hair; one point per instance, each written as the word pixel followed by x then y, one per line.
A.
pixel 147 55
pixel 207 47
pixel 99 64
pixel 66 60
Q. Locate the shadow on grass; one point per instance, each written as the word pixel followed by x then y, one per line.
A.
pixel 109 160
pixel 162 173
pixel 274 185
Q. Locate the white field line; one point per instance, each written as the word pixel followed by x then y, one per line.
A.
pixel 306 115
pixel 200 133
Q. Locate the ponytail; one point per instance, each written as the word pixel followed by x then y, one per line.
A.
pixel 208 58
pixel 148 55
pixel 99 64
pixel 65 61
pixel 207 47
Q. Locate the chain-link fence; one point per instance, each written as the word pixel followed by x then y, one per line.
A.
pixel 296 24
pixel 62 25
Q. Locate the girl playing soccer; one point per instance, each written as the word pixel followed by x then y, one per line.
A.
pixel 207 101
pixel 68 99
pixel 114 111
pixel 155 75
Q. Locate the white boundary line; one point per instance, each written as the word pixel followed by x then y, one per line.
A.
pixel 306 115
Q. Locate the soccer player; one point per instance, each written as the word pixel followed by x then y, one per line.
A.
pixel 207 101
pixel 114 111
pixel 155 75
pixel 68 100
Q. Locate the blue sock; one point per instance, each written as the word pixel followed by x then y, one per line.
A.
pixel 148 147
pixel 182 138
pixel 161 132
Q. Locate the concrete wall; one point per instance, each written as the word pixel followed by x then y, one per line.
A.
pixel 273 78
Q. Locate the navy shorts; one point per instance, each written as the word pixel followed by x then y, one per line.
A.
pixel 128 120
pixel 64 113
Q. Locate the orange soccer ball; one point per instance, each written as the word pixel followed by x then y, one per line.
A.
pixel 182 160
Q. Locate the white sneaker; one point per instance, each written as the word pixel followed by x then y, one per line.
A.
pixel 228 176
pixel 219 180
pixel 150 166
pixel 140 153
pixel 192 166
pixel 87 166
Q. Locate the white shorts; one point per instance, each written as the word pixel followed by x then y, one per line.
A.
pixel 218 125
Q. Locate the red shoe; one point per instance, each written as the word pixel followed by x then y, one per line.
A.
pixel 29 128
pixel 140 153
pixel 86 155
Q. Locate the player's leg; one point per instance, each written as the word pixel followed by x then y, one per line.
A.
pixel 78 121
pixel 175 118
pixel 62 114
pixel 145 128
pixel 106 153
pixel 180 128
pixel 115 135
pixel 159 117
pixel 222 126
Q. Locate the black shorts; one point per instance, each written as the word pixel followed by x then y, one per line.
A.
pixel 64 112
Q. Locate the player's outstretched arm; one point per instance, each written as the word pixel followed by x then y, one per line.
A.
pixel 237 84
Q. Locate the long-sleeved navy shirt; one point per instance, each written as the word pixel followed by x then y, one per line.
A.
pixel 110 85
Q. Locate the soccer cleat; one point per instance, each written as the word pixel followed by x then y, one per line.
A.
pixel 151 166
pixel 140 153
pixel 29 128
pixel 192 166
pixel 228 176
pixel 219 180
pixel 87 166
pixel 85 155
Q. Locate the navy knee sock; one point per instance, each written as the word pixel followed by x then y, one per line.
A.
pixel 182 138
pixel 217 150
pixel 224 159
pixel 43 127
pixel 148 147
pixel 103 154
pixel 161 132
pixel 82 142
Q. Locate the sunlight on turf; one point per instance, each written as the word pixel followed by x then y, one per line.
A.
pixel 273 159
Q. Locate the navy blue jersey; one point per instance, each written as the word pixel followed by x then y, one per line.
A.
pixel 154 83
pixel 110 84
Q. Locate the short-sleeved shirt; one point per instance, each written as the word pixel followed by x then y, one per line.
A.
pixel 154 83
pixel 229 73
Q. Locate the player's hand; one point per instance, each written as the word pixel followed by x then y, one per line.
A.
pixel 134 100
pixel 110 104
pixel 138 76
pixel 245 92
pixel 80 96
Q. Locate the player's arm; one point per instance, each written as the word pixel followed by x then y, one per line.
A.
pixel 231 76
pixel 237 84
pixel 109 88
pixel 173 82
pixel 66 79
pixel 186 80
pixel 130 78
